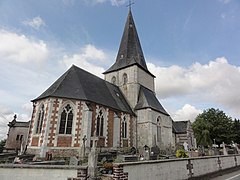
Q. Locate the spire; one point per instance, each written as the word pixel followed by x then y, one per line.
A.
pixel 130 51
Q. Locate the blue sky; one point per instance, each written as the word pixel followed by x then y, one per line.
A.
pixel 191 46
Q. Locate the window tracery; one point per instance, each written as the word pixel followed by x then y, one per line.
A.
pixel 124 127
pixel 66 120
pixel 100 124
pixel 40 120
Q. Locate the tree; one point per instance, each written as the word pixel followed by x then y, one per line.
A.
pixel 2 144
pixel 213 124
pixel 236 130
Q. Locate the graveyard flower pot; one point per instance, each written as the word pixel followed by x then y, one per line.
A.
pixel 108 166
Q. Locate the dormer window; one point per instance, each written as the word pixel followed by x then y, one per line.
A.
pixel 125 79
pixel 114 80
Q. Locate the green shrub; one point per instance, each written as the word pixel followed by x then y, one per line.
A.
pixel 181 153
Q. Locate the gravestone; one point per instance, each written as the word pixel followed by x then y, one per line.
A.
pixel 236 149
pixel 154 153
pixel 133 150
pixel 130 158
pixel 146 152
pixel 185 145
pixel 73 161
pixel 92 160
pixel 224 149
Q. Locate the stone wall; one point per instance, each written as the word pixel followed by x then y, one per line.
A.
pixel 15 137
pixel 175 169
pixel 147 129
pixel 36 172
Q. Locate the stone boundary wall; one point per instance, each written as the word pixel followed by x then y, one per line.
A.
pixel 187 168
pixel 42 172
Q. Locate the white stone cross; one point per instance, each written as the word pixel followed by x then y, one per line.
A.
pixel 95 140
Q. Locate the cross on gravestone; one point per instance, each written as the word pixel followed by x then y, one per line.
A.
pixel 84 145
pixel 94 141
pixel 190 168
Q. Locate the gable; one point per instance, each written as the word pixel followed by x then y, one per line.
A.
pixel 147 99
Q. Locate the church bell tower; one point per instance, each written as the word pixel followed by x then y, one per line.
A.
pixel 130 70
pixel 131 75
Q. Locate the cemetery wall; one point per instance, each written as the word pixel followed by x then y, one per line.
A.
pixel 37 172
pixel 188 168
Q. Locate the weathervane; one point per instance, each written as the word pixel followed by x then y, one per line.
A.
pixel 130 4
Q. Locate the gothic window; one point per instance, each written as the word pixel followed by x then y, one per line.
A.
pixel 66 120
pixel 100 124
pixel 17 138
pixel 124 128
pixel 40 120
pixel 21 137
pixel 114 80
pixel 158 129
pixel 125 78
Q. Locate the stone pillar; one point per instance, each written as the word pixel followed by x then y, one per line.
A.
pixel 86 124
pixel 45 128
pixel 118 173
pixel 82 173
pixel 92 160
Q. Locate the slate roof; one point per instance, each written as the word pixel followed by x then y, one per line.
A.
pixel 130 50
pixel 147 99
pixel 180 126
pixel 77 83
pixel 19 124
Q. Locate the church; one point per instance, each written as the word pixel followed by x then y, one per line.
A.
pixel 120 111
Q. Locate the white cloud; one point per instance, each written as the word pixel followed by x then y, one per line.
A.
pixel 187 112
pixel 113 2
pixel 21 49
pixel 216 82
pixel 87 59
pixel 118 2
pixel 35 23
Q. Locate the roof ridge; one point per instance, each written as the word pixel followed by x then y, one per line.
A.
pixel 64 76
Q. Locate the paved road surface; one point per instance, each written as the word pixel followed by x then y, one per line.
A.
pixel 231 176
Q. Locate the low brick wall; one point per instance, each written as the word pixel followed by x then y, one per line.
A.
pixel 189 168
pixel 41 172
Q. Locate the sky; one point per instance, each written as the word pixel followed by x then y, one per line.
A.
pixel 192 47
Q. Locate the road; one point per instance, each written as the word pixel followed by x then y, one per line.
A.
pixel 231 176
